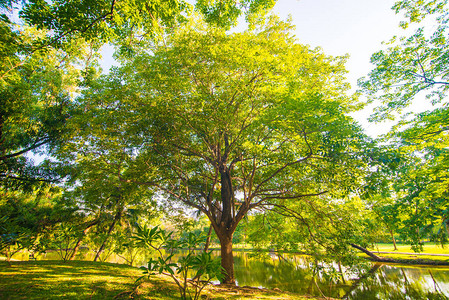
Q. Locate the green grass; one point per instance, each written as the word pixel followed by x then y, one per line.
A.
pixel 95 280
pixel 65 280
pixel 428 248
pixel 413 258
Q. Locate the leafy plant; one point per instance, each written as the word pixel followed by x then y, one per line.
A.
pixel 202 266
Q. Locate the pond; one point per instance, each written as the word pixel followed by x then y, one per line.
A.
pixel 301 274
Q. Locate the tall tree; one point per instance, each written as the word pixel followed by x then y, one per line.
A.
pixel 412 66
pixel 225 123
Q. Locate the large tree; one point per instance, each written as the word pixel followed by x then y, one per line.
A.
pixel 224 123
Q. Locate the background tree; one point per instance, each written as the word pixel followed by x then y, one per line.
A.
pixel 423 182
pixel 404 191
pixel 225 123
pixel 34 96
pixel 386 165
pixel 28 218
pixel 108 204
pixel 412 66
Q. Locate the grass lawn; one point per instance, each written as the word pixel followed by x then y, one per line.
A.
pixel 428 248
pixel 95 280
pixel 419 258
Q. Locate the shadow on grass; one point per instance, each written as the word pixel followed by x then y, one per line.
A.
pixel 65 280
pixel 96 280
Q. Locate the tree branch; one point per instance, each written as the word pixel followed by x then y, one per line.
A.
pixel 35 145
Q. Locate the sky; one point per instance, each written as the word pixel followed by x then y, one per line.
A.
pixel 339 27
pixel 356 27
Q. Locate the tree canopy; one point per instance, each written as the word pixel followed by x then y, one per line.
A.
pixel 120 22
pixel 48 48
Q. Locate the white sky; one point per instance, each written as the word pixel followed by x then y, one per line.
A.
pixel 356 27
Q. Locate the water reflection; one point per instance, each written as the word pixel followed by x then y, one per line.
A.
pixel 401 282
pixel 304 275
pixel 300 274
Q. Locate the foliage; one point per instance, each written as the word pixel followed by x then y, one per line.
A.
pixel 322 228
pixel 28 218
pixel 201 266
pixel 121 22
pixel 124 246
pixel 413 64
pixel 62 239
pixel 422 198
pixel 43 58
pixel 35 89
pixel 100 194
pixel 404 192
pixel 226 13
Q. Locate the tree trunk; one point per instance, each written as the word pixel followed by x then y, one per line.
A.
pixel 111 227
pixel 8 255
pixel 225 225
pixel 340 269
pixel 446 222
pixel 227 258
pixel 77 246
pixel 369 253
pixel 78 243
pixel 372 255
pixel 209 234
pixel 394 240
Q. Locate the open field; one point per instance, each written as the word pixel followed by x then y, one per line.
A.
pixel 94 280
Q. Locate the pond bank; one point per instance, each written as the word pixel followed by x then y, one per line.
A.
pixel 409 253
pixel 403 258
pixel 407 258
